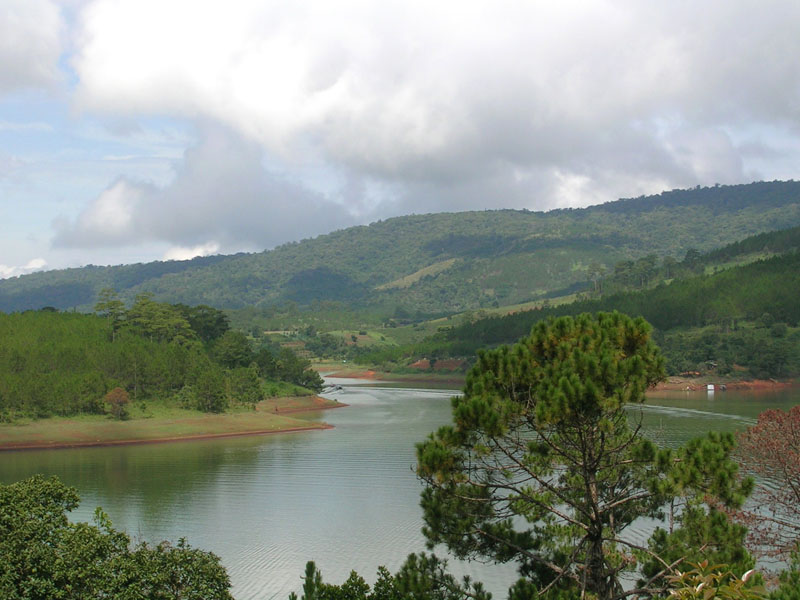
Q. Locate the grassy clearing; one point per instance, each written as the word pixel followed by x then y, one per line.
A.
pixel 364 337
pixel 514 308
pixel 738 261
pixel 409 280
pixel 162 422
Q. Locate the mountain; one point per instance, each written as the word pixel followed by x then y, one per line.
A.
pixel 438 263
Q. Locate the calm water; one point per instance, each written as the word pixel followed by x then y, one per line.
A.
pixel 346 498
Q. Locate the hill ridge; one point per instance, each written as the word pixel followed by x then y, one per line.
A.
pixel 508 255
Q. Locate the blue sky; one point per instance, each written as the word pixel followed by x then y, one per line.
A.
pixel 137 130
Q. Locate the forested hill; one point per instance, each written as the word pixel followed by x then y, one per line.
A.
pixel 744 318
pixel 743 293
pixel 440 262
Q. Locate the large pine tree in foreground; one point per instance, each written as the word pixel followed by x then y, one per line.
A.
pixel 544 465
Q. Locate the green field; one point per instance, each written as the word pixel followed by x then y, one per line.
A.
pixel 163 422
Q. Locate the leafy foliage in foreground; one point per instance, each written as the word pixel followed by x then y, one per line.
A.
pixel 44 556
pixel 770 450
pixel 422 577
pixel 706 581
pixel 789 588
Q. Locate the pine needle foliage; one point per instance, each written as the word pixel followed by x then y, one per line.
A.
pixel 544 466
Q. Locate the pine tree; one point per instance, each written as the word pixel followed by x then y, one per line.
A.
pixel 543 466
pixel 109 305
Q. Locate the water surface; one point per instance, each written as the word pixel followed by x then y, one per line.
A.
pixel 346 498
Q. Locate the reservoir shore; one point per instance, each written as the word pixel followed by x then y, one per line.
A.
pixel 275 415
pixel 456 380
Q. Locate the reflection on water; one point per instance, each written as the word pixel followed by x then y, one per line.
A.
pixel 673 418
pixel 346 498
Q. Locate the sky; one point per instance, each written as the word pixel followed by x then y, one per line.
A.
pixel 139 130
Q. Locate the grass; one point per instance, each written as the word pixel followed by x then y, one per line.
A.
pixel 409 280
pixel 738 261
pixel 158 421
pixel 369 337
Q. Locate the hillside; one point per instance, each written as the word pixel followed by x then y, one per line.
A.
pixel 744 318
pixel 438 263
pixel 743 293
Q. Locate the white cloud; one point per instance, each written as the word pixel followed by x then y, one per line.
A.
pixel 36 264
pixel 707 153
pixel 221 191
pixel 109 219
pixel 428 96
pixel 315 115
pixel 184 253
pixel 30 44
pixel 8 164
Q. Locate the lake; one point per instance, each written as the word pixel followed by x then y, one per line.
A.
pixel 346 498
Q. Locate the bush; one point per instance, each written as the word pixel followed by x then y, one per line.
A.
pixel 118 400
pixel 43 555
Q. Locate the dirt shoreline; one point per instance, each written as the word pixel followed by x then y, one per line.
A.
pixel 369 374
pixel 22 445
pixel 701 383
pixel 186 438
pixel 670 384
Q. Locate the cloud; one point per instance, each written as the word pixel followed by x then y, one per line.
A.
pixel 415 94
pixel 184 253
pixel 8 165
pixel 221 198
pixel 30 44
pixel 36 264
pixel 110 219
pixel 316 115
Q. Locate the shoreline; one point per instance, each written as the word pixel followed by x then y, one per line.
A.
pixel 271 417
pixel 167 440
pixel 236 424
pixel 669 384
pixel 422 377
pixel 696 384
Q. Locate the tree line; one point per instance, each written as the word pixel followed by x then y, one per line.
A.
pixel 54 363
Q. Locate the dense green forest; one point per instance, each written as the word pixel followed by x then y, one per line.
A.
pixel 733 310
pixel 742 316
pixel 651 270
pixel 728 310
pixel 741 293
pixel 438 263
pixel 54 363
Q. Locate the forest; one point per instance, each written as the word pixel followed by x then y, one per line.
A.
pixel 741 319
pixel 64 363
